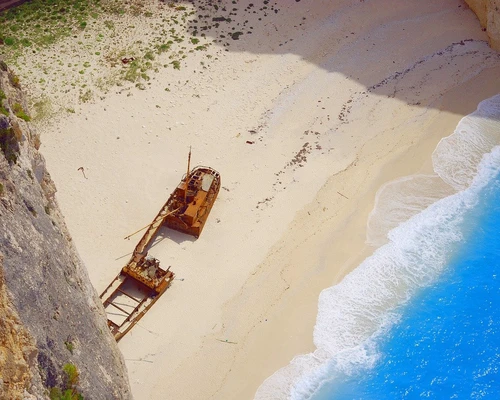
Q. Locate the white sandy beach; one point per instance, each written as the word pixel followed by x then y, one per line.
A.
pixel 305 119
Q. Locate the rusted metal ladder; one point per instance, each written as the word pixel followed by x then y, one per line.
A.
pixel 128 314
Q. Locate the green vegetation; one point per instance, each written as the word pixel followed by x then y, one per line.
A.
pixel 69 391
pixel 3 109
pixel 9 144
pixel 176 64
pixel 109 24
pixel 71 374
pixel 133 71
pixel 42 108
pixel 92 28
pixel 40 23
pixel 69 344
pixel 14 79
pixel 19 112
pixel 86 96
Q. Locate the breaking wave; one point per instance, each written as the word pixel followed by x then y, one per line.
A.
pixel 423 234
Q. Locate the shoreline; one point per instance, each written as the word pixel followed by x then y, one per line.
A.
pixel 303 132
pixel 352 233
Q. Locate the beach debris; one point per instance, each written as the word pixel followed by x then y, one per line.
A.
pixel 300 157
pixel 83 172
pixel 264 202
pixel 343 195
pixel 236 35
pixel 127 60
pixel 139 360
pixel 250 142
pixel 153 333
pixel 226 341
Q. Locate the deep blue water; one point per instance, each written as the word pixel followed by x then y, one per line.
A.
pixel 446 343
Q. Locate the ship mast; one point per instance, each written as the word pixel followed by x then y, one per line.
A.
pixel 187 175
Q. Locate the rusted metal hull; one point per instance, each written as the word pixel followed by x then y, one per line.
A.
pixel 138 286
pixel 191 202
pixel 141 282
pixel 126 300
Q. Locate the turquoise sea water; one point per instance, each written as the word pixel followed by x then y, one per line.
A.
pixel 446 343
pixel 420 318
pixel 441 339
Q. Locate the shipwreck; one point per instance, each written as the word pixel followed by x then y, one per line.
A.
pixel 142 281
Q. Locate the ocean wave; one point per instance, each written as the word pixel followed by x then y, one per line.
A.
pixel 457 157
pixel 399 200
pixel 355 312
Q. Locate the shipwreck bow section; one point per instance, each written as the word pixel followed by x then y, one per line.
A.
pixel 192 200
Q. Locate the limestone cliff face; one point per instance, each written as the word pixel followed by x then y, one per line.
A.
pixel 17 350
pixel 50 315
pixel 488 12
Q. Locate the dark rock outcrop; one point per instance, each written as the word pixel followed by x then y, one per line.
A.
pixel 4 4
pixel 48 299
pixel 488 13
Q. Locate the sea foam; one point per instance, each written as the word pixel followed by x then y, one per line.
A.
pixel 399 200
pixel 358 310
pixel 457 156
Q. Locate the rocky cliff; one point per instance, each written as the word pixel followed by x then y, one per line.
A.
pixel 488 12
pixel 53 332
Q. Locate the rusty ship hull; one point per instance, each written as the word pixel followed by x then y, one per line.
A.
pixel 191 202
pixel 142 281
pixel 138 286
pixel 127 299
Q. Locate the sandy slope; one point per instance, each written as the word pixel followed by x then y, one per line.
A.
pixel 304 118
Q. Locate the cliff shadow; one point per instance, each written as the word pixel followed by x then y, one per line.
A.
pixel 392 48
